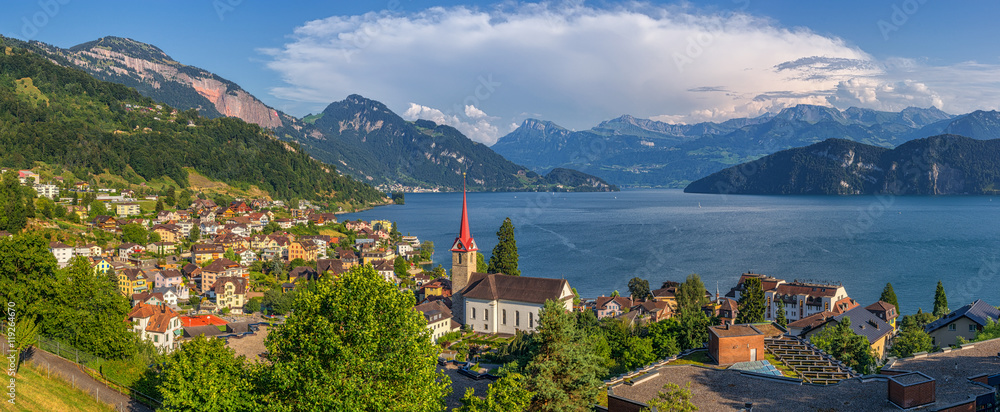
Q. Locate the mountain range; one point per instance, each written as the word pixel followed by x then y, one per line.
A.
pixel 647 153
pixel 939 165
pixel 360 136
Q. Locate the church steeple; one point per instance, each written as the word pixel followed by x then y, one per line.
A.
pixel 464 242
pixel 463 251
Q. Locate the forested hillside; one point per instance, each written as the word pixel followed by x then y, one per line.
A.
pixel 64 116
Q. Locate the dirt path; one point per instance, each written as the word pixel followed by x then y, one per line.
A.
pixel 71 372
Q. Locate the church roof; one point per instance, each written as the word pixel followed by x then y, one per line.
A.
pixel 496 286
pixel 464 242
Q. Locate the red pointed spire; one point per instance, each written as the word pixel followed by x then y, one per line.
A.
pixel 464 242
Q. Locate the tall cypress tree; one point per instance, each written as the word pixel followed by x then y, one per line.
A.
pixel 780 318
pixel 889 296
pixel 751 303
pixel 940 301
pixel 504 259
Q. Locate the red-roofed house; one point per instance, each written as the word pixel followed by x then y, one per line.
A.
pixel 156 323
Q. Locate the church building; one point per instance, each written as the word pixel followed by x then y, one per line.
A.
pixel 497 303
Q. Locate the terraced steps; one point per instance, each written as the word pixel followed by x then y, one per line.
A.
pixel 813 366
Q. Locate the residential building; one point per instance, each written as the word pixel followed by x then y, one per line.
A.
pixel 864 323
pixel 305 250
pixel 62 252
pixel 387 270
pixel 167 278
pixel 204 252
pixel 127 249
pixel 168 232
pixel 230 292
pixel 127 209
pixel 403 249
pixel 962 323
pixel 100 265
pixel 49 191
pixel 158 324
pixel 218 269
pixel 27 177
pixel 106 223
pixel 162 248
pixel 885 311
pixel 609 307
pixel 438 317
pixel 132 281
pixel 728 310
pixel 797 299
pixel 652 311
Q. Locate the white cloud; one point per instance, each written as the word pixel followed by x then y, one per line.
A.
pixel 578 65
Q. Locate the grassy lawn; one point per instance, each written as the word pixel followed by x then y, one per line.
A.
pixel 700 358
pixel 781 367
pixel 36 392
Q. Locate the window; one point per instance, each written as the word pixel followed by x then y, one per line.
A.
pixel 517 318
pixel 952 327
pixel 473 313
pixel 156 339
pixel 504 316
pixel 486 314
pixel 531 319
pixel 972 328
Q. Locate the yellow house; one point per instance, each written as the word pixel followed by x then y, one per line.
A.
pixel 381 225
pixel 127 209
pixel 132 281
pixel 101 266
pixel 305 250
pixel 231 292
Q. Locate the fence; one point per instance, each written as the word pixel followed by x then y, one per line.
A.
pixel 92 365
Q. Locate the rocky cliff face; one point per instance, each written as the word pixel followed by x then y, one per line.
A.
pixel 154 74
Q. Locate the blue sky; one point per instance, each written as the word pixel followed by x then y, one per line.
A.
pixel 485 66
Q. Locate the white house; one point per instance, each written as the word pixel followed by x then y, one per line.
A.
pixel 797 299
pixel 169 295
pixel 438 318
pixel 49 191
pixel 156 323
pixel 62 252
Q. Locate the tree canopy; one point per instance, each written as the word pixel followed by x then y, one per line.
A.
pixel 564 371
pixel 752 304
pixel 504 258
pixel 204 375
pixel 639 289
pixel 333 353
pixel 889 296
pixel 940 301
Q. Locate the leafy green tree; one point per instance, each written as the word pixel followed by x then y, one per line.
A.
pixel 401 267
pixel 751 305
pixel 504 258
pixel 564 373
pixel 195 234
pixel 253 305
pixel 17 203
pixel 481 265
pixel 204 375
pixel 663 335
pixel 426 251
pixel 780 318
pixel 229 254
pixel 673 398
pixel 98 209
pixel 848 347
pixel 628 350
pixel 639 289
pixel 691 294
pixel 271 227
pixel 135 233
pixel 918 320
pixel 889 296
pixel 910 341
pixel 507 394
pixel 693 329
pixel 329 355
pixel 940 301
pixel 159 205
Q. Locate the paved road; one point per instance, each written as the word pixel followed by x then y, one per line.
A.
pixel 71 372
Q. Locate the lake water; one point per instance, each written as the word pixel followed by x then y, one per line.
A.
pixel 598 241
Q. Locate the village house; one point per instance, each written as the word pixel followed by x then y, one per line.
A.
pixel 863 322
pixel 609 307
pixel 885 311
pixel 204 252
pixel 403 249
pixel 132 281
pixel 167 278
pixel 158 324
pixel 162 248
pixel 27 177
pixel 168 232
pixel 729 344
pixel 218 269
pixel 106 223
pixel 962 323
pixel 62 252
pixel 387 270
pixel 49 191
pixel 100 265
pixel 438 317
pixel 246 255
pixel 652 311
pixel 230 292
pixel 305 250
pixel 127 249
pixel 148 297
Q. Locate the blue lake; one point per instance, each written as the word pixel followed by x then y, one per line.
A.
pixel 598 241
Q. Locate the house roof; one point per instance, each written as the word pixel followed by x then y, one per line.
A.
pixel 495 286
pixel 303 272
pixel 623 302
pixel 59 245
pixel 806 289
pixel 812 321
pixel 730 331
pixel 221 265
pixel 883 307
pixel 159 316
pixel 239 282
pixel 728 304
pixel 134 274
pixel 432 308
pixel 977 311
pixel 866 324
pixel 170 273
